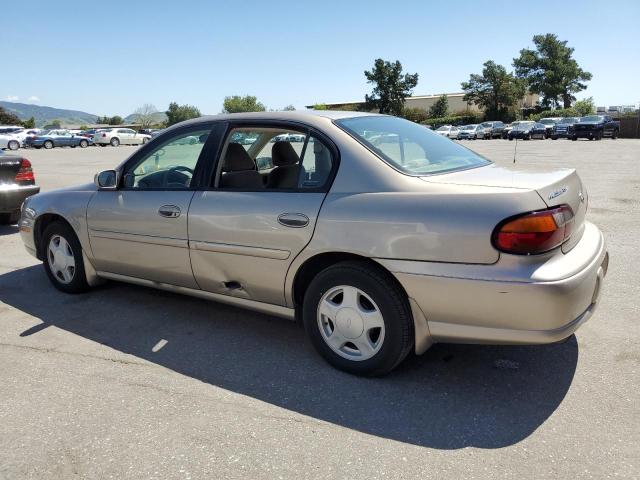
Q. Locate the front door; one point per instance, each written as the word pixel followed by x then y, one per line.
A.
pixel 260 211
pixel 140 230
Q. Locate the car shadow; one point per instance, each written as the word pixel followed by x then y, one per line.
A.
pixel 452 397
pixel 8 230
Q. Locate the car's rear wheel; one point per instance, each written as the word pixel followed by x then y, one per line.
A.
pixel 145 140
pixel 115 142
pixel 614 134
pixel 84 144
pixel 358 318
pixel 13 145
pixel 63 261
pixel 48 144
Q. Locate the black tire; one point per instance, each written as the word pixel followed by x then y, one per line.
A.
pixel 83 144
pixel 614 134
pixel 511 139
pixel 13 145
pixel 78 283
pixel 145 140
pixel 391 301
pixel 103 144
pixel 48 144
pixel 555 137
pixel 115 142
pixel 10 218
pixel 574 138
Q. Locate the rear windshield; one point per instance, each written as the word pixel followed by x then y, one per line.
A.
pixel 409 147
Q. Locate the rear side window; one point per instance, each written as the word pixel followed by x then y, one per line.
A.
pixel 273 159
pixel 409 147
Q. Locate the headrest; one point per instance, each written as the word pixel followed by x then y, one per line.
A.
pixel 317 146
pixel 237 159
pixel 283 154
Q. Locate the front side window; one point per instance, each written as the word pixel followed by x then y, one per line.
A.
pixel 170 165
pixel 273 159
pixel 409 147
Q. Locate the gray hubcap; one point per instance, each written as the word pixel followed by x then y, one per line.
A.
pixel 61 260
pixel 350 323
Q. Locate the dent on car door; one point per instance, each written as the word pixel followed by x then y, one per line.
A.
pixel 140 229
pixel 244 234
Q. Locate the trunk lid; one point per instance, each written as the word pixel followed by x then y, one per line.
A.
pixel 556 187
pixel 9 166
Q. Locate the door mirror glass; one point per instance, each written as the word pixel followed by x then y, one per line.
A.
pixel 106 180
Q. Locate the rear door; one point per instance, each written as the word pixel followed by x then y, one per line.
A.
pixel 140 229
pixel 244 238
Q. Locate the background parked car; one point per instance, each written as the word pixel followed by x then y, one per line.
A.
pixel 18 182
pixel 57 138
pixel 470 132
pixel 448 131
pixel 9 141
pixel 549 123
pixel 596 127
pixel 493 129
pixel 508 128
pixel 120 136
pixel 528 130
pixel 562 129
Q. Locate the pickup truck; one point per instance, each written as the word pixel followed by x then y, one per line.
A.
pixel 594 127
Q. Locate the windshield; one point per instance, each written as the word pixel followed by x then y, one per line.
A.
pixel 409 147
pixel 469 127
pixel 443 129
pixel 591 118
pixel 524 125
pixel 568 120
pixel 547 121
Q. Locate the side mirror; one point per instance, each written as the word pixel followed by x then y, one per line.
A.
pixel 107 180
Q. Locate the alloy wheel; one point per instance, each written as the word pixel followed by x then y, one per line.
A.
pixel 61 260
pixel 350 323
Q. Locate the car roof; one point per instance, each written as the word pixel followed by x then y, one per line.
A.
pixel 307 116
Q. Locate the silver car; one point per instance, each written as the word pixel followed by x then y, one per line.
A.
pixel 381 236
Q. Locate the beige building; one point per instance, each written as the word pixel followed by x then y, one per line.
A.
pixel 456 103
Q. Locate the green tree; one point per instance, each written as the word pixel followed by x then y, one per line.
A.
pixel 83 127
pixel 289 108
pixel 440 108
pixel 31 123
pixel 551 70
pixel 179 113
pixel 8 118
pixel 53 124
pixel 585 107
pixel 320 106
pixel 237 104
pixel 116 120
pixel 390 86
pixel 417 115
pixel 495 90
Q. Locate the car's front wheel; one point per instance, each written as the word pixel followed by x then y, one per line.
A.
pixel 13 145
pixel 63 258
pixel 48 144
pixel 358 318
pixel 84 143
pixel 115 142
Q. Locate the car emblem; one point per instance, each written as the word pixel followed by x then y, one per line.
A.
pixel 581 195
pixel 558 192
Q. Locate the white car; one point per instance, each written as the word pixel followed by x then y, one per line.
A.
pixel 120 136
pixel 448 131
pixel 9 141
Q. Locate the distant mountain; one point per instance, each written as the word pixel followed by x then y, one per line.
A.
pixel 158 117
pixel 44 115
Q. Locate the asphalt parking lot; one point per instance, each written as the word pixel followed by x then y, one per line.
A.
pixel 128 382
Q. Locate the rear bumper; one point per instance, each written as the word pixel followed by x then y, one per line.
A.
pixel 518 300
pixel 11 197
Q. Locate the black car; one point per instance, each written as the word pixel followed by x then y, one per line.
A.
pixel 17 182
pixel 594 127
pixel 564 127
pixel 528 130
pixel 493 129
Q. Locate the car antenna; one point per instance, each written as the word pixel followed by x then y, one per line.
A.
pixel 515 151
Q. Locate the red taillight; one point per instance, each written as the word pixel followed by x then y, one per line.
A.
pixel 25 172
pixel 535 232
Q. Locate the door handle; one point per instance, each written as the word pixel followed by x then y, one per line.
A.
pixel 294 220
pixel 169 211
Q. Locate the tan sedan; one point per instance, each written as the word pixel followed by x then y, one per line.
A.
pixel 381 236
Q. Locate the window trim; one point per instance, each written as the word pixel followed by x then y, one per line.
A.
pixel 307 130
pixel 205 157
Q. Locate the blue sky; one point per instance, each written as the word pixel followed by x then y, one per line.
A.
pixel 110 57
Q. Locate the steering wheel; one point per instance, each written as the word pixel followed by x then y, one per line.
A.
pixel 177 168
